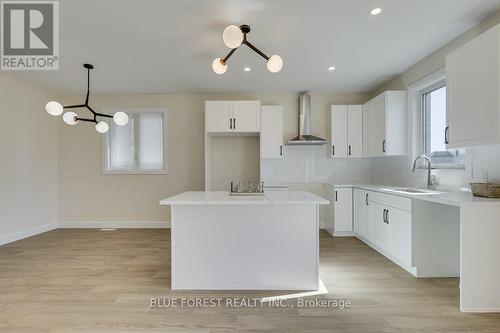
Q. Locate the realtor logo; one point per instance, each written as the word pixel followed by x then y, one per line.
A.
pixel 30 35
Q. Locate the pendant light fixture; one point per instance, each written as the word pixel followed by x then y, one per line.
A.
pixel 234 37
pixel 71 118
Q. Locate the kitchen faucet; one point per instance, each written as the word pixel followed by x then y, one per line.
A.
pixel 426 158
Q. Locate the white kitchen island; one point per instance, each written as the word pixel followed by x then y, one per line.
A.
pixel 223 242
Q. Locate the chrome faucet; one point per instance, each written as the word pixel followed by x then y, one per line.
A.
pixel 429 164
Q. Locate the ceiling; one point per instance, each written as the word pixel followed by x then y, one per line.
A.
pixel 159 46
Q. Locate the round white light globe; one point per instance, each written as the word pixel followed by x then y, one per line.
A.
pixel 120 118
pixel 102 127
pixel 54 108
pixel 275 63
pixel 232 36
pixel 70 118
pixel 218 66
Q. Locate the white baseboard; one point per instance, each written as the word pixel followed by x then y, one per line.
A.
pixel 114 224
pixel 15 236
pixel 343 234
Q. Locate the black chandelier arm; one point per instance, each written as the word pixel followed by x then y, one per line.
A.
pixel 229 55
pixel 74 106
pixel 250 45
pixel 86 119
pixel 97 113
pixel 88 87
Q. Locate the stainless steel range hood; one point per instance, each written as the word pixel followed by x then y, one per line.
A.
pixel 305 138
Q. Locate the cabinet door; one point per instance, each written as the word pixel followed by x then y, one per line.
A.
pixel 377 110
pixel 367 130
pixel 355 131
pixel 400 225
pixel 218 116
pixel 246 116
pixel 343 210
pixel 358 211
pixel 339 131
pixel 380 229
pixel 362 214
pixel 271 132
pixel 472 75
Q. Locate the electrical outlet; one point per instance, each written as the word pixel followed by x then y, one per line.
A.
pixel 483 175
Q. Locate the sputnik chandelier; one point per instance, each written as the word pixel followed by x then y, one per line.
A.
pixel 56 109
pixel 234 37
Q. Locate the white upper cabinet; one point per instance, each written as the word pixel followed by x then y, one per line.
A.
pixel 246 116
pixel 339 131
pixel 387 118
pixel 355 130
pixel 367 130
pixel 232 116
pixel 218 116
pixel 271 132
pixel 347 131
pixel 473 92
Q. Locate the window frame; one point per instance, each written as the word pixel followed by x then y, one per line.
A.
pixel 135 114
pixel 428 87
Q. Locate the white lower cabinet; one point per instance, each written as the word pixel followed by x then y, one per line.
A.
pixel 381 229
pixel 384 222
pixel 362 214
pixel 399 222
pixel 342 211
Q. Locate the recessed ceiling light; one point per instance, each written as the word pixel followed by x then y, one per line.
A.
pixel 376 11
pixel 247 69
pixel 331 68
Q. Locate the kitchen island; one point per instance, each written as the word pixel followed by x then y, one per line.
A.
pixel 224 242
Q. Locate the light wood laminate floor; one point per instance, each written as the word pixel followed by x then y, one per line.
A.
pixel 102 281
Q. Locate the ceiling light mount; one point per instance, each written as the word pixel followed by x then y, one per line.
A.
pixel 71 118
pixel 234 37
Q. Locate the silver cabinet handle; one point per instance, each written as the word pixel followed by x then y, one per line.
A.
pixel 447 135
pixel 234 123
pixel 349 150
pixel 336 198
pixel 333 150
pixel 383 215
pixel 230 123
pixel 281 150
pixel 383 146
pixel 387 216
pixel 366 199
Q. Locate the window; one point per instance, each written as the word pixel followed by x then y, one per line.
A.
pixel 434 126
pixel 137 147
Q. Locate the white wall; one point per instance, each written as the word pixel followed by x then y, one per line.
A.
pixel 29 166
pixel 396 170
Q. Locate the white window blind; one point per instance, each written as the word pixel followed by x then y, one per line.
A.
pixel 151 141
pixel 137 147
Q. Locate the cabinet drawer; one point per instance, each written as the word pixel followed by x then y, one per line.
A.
pixel 395 201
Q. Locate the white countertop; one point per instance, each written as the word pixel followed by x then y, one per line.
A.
pixel 458 198
pixel 223 198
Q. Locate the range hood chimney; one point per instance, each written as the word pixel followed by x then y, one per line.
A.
pixel 305 138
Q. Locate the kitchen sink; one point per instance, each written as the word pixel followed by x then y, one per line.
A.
pixel 412 190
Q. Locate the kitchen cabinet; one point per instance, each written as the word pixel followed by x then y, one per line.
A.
pixel 271 132
pixel 384 221
pixel 472 89
pixel 399 222
pixel 385 125
pixel 381 230
pixel 232 116
pixel 367 133
pixel 347 131
pixel 342 223
pixel 362 214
